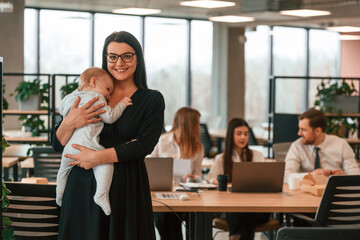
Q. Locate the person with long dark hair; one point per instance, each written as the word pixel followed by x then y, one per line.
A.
pixel 241 225
pixel 131 217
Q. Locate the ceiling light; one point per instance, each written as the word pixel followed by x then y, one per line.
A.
pixel 231 19
pixel 137 11
pixel 305 13
pixel 207 4
pixel 6 7
pixel 344 29
pixel 349 37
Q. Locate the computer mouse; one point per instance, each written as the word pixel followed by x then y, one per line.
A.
pixel 184 197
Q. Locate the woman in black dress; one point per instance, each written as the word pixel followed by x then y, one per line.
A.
pixel 130 199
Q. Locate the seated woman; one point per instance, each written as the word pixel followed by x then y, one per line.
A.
pixel 183 141
pixel 241 225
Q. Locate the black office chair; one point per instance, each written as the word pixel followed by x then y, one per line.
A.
pixel 33 211
pixel 340 203
pixel 317 233
pixel 206 141
pixel 46 162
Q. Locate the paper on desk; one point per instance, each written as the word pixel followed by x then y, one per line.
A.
pixel 190 185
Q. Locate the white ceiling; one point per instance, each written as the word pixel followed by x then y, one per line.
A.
pixel 344 12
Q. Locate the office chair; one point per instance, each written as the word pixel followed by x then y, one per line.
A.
pixel 270 226
pixel 280 150
pixel 33 211
pixel 206 141
pixel 317 233
pixel 340 204
pixel 46 162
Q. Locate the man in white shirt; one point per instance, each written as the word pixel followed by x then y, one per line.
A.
pixel 318 152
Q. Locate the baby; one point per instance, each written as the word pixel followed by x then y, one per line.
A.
pixel 93 82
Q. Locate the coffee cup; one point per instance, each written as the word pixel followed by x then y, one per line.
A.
pixel 223 181
pixel 294 183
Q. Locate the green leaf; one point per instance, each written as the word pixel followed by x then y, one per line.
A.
pixel 6 221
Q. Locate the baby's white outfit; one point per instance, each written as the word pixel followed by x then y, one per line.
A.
pixel 88 136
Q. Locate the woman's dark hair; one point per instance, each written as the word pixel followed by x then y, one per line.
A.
pixel 247 153
pixel 128 38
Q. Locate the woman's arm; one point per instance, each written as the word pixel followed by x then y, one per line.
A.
pixel 77 118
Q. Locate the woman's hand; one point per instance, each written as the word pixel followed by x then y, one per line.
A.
pixel 79 117
pixel 87 158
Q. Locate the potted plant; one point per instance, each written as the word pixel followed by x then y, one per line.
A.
pixel 33 124
pixel 30 90
pixel 30 94
pixel 7 231
pixel 69 88
pixel 336 97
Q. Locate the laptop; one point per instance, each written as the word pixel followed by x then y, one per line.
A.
pixel 258 176
pixel 160 173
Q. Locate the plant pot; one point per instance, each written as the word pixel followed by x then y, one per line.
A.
pixel 32 103
pixel 348 104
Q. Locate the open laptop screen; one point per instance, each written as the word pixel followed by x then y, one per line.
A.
pixel 257 176
pixel 160 173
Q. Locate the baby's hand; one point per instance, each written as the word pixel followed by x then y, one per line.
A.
pixel 127 101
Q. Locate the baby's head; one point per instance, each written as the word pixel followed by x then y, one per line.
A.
pixel 96 79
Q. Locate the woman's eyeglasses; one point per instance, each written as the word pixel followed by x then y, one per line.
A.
pixel 125 57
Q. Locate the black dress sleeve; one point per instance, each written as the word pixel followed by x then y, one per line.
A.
pixel 55 141
pixel 149 131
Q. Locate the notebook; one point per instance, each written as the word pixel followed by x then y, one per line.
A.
pixel 160 173
pixel 258 176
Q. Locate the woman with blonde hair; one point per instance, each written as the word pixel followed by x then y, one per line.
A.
pixel 182 142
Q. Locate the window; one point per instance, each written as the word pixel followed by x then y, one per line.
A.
pixel 257 62
pixel 201 67
pixel 166 60
pixel 289 60
pixel 324 58
pixel 65 41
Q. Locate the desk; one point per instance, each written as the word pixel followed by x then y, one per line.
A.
pixel 202 206
pixel 287 201
pixel 10 162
